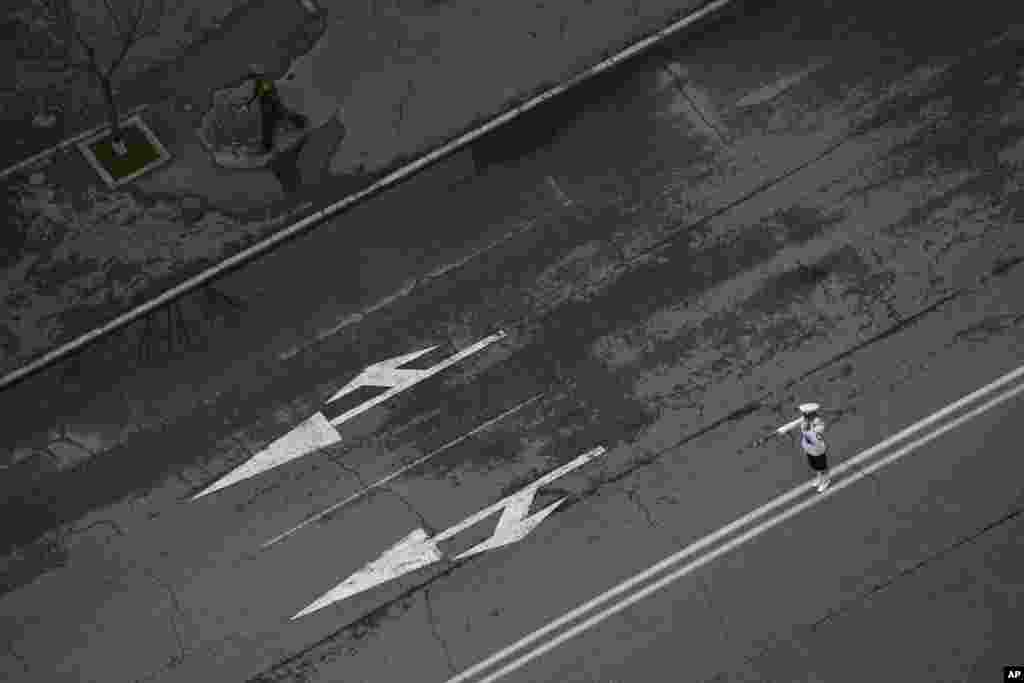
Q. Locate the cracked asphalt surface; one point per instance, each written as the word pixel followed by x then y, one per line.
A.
pixel 835 217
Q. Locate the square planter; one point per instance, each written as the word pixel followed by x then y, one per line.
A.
pixel 145 152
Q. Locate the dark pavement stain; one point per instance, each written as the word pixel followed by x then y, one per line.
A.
pixel 15 236
pixel 30 561
pixel 964 84
pixel 36 549
pixel 780 290
pixel 982 187
pixel 542 126
pixel 796 224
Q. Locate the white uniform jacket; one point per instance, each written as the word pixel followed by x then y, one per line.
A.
pixel 811 439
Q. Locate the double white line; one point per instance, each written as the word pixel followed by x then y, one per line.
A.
pixel 630 591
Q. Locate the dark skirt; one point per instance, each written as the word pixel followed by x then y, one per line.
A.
pixel 818 463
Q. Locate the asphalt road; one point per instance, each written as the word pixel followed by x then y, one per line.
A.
pixel 695 245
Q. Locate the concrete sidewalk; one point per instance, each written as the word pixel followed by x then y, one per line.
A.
pixel 401 80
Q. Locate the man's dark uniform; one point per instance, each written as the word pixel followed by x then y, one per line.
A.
pixel 272 110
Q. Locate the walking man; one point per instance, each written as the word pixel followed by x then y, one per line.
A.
pixel 812 442
pixel 272 109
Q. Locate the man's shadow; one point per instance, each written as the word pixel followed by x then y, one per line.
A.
pixel 285 167
pixel 306 164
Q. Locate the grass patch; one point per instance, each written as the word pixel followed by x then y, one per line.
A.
pixel 141 153
pixel 144 153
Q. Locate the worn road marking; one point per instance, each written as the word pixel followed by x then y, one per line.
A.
pixel 632 583
pixel 317 431
pixel 398 472
pixel 773 90
pixel 417 550
pixel 562 197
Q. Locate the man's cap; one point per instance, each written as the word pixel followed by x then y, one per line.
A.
pixel 807 408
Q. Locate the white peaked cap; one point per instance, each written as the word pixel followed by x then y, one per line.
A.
pixel 809 408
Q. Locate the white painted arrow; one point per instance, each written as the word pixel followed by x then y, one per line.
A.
pixel 417 550
pixel 411 553
pixel 310 435
pixel 317 432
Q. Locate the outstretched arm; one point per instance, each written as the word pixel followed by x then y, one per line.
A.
pixel 790 426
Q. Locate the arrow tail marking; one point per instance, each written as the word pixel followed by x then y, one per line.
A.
pixel 513 526
pixel 310 435
pixel 543 481
pixel 367 405
pixel 386 374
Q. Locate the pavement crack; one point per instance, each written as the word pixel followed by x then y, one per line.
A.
pixel 435 629
pixel 970 538
pixel 118 530
pixel 1004 265
pixel 989 327
pixel 881 586
pixel 678 82
pixel 640 505
pixel 426 525
pixel 177 613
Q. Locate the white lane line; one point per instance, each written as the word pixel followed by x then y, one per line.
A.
pixel 401 470
pixel 699 545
